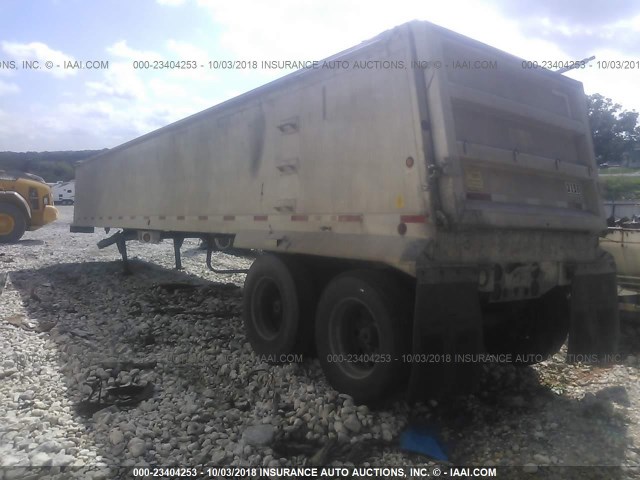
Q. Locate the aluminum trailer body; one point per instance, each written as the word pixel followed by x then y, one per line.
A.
pixel 468 175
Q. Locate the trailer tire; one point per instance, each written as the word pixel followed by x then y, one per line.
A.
pixel 278 303
pixel 534 332
pixel 12 223
pixel 363 327
pixel 223 243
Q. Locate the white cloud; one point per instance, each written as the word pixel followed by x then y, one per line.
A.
pixel 186 51
pixel 8 88
pixel 6 127
pixel 41 52
pixel 619 84
pixel 292 28
pixel 180 50
pixel 122 50
pixel 121 103
pixel 165 89
pixel 120 81
pixel 310 30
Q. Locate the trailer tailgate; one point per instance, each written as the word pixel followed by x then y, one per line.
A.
pixel 511 143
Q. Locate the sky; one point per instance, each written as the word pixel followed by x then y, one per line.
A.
pixel 56 108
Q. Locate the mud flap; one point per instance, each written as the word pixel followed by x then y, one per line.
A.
pixel 447 325
pixel 595 325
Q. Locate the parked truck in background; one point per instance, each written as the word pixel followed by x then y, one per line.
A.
pixel 64 193
pixel 421 199
pixel 25 204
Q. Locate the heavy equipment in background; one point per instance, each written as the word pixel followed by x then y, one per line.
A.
pixel 421 200
pixel 622 241
pixel 25 204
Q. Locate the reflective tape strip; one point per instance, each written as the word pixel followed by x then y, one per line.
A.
pixel 349 218
pixel 299 218
pixel 260 218
pixel 413 218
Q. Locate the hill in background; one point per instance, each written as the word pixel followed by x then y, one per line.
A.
pixel 52 166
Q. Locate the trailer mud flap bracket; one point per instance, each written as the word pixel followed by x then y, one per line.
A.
pixel 595 325
pixel 447 332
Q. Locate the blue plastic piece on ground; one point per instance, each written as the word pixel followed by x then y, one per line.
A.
pixel 422 440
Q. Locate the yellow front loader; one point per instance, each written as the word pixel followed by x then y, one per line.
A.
pixel 26 203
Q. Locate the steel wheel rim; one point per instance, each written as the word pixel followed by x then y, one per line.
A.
pixel 7 224
pixel 353 333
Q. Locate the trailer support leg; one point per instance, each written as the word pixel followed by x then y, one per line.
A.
pixel 122 248
pixel 177 244
pixel 447 333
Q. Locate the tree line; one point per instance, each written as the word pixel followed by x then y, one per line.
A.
pixel 52 166
pixel 615 131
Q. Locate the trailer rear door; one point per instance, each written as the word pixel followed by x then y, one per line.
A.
pixel 511 143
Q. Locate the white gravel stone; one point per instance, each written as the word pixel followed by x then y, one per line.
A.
pixel 353 424
pixel 541 459
pixel 116 437
pixel 40 459
pixel 27 395
pixel 258 434
pixel 136 447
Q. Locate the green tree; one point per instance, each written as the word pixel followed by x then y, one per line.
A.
pixel 615 131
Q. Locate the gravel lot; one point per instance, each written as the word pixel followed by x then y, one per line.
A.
pixel 71 324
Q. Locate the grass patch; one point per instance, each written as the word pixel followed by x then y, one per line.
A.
pixel 621 188
pixel 616 170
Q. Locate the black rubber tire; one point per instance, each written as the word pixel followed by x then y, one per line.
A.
pixel 19 223
pixel 531 331
pixel 279 304
pixel 223 243
pixel 364 313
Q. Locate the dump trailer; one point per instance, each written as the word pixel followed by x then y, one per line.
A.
pixel 26 203
pixel 423 202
